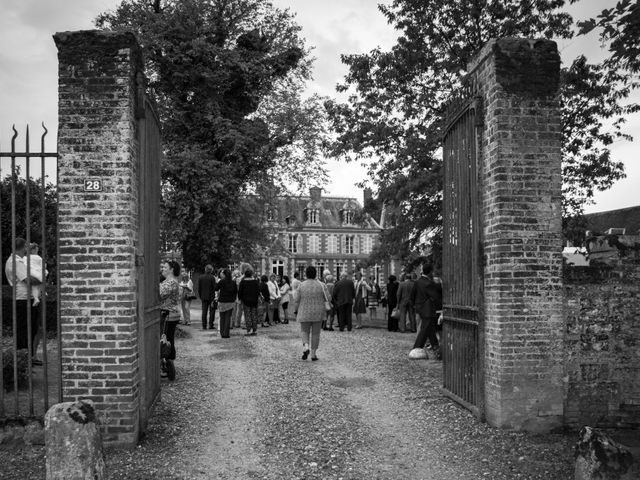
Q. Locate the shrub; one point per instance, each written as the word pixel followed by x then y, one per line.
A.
pixel 7 370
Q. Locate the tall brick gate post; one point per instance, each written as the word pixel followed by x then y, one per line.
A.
pixel 521 218
pixel 98 225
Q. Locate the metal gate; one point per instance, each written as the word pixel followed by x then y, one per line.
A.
pixel 30 374
pixel 148 257
pixel 462 257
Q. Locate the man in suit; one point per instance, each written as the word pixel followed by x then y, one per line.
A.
pixel 206 292
pixel 426 298
pixel 343 294
pixel 404 305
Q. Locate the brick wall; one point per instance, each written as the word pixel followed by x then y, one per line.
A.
pixel 98 231
pixel 521 219
pixel 603 343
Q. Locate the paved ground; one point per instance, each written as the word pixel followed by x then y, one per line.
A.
pixel 250 408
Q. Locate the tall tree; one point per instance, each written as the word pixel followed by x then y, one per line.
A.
pixel 619 28
pixel 211 65
pixel 393 115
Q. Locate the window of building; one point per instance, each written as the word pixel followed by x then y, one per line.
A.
pixel 348 217
pixel 293 243
pixel 332 244
pixel 339 269
pixel 367 244
pixel 270 214
pixel 313 215
pixel 320 268
pixel 314 244
pixel 277 267
pixel 301 267
pixel 348 244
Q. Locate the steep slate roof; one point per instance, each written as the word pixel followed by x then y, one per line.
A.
pixel 628 218
pixel 329 208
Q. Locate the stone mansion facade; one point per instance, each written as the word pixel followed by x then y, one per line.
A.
pixel 330 233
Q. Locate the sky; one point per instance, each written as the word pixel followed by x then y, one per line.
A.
pixel 28 70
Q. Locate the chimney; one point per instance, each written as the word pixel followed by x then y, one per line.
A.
pixel 315 193
pixel 367 195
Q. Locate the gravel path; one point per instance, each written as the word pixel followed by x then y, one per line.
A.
pixel 250 408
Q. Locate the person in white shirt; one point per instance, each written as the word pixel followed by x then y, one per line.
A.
pixel 186 296
pixel 274 299
pixel 285 291
pixel 37 270
pixel 16 271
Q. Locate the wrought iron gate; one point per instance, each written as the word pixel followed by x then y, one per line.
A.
pixel 30 374
pixel 462 326
pixel 148 257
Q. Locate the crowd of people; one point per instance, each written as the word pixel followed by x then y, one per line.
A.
pixel 411 305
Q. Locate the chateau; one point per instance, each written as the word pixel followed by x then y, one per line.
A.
pixel 330 233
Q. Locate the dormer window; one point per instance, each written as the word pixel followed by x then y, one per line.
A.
pixel 313 215
pixel 270 214
pixel 348 217
pixel 290 220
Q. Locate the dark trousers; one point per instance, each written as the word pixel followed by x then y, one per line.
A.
pixel 225 322
pixel 169 329
pixel 22 327
pixel 344 316
pixel 427 331
pixel 206 307
pixel 392 323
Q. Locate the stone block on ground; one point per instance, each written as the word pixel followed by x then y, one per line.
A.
pixel 73 442
pixel 599 457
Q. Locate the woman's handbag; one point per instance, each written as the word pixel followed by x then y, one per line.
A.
pixel 395 313
pixel 327 304
pixel 165 345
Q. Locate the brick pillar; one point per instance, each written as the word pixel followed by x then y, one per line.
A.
pixel 98 231
pixel 521 217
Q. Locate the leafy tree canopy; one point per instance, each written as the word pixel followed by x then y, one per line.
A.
pixel 396 99
pixel 619 28
pixel 218 70
pixel 15 186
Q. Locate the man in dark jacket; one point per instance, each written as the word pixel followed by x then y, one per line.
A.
pixel 248 294
pixel 392 302
pixel 206 292
pixel 426 298
pixel 343 294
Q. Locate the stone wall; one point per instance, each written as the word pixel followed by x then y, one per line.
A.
pixel 520 177
pixel 603 340
pixel 98 230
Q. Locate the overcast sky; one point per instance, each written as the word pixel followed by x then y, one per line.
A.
pixel 28 68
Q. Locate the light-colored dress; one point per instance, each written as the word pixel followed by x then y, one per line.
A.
pixel 285 290
pixel 309 299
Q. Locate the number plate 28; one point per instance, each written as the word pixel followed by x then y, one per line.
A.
pixel 93 185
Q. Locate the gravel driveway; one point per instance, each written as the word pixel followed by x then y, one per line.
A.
pixel 250 408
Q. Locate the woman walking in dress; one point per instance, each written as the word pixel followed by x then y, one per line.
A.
pixel 285 292
pixel 309 299
pixel 186 295
pixel 360 304
pixel 331 314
